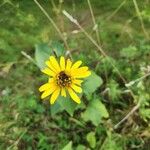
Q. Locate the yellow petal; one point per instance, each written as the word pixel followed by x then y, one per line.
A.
pixel 77 71
pixel 54 95
pixel 68 65
pixel 78 82
pixel 47 92
pixel 76 88
pixel 76 65
pixel 82 69
pixel 54 63
pixel 83 75
pixel 44 87
pixel 50 80
pixel 62 63
pixel 74 96
pixel 63 92
pixel 49 72
pixel 49 64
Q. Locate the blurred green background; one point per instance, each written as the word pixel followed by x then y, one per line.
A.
pixel 123 27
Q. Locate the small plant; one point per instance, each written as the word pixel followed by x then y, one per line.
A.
pixel 105 106
pixel 62 78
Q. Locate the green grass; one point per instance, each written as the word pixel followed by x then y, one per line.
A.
pixel 26 122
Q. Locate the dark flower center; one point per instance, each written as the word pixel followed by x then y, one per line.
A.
pixel 63 79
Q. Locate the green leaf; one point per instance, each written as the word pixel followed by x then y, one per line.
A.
pixel 55 108
pixel 31 103
pixel 92 83
pixel 67 104
pixel 63 103
pixel 42 53
pixel 58 48
pixel 91 139
pixel 145 113
pixel 80 147
pixel 113 142
pixel 95 112
pixel 129 52
pixel 114 91
pixel 68 146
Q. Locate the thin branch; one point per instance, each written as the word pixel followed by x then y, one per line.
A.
pixel 94 22
pixel 28 57
pixel 53 23
pixel 125 28
pixel 93 41
pixel 106 56
pixel 18 140
pixel 135 108
pixel 7 2
pixel 140 18
pixel 116 10
pixel 137 80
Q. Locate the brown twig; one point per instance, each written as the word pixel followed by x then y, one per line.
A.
pixel 53 23
pixel 135 108
pixel 141 19
pixel 94 22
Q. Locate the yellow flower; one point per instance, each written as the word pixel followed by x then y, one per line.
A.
pixel 64 76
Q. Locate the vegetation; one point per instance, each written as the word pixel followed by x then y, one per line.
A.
pixel 112 38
